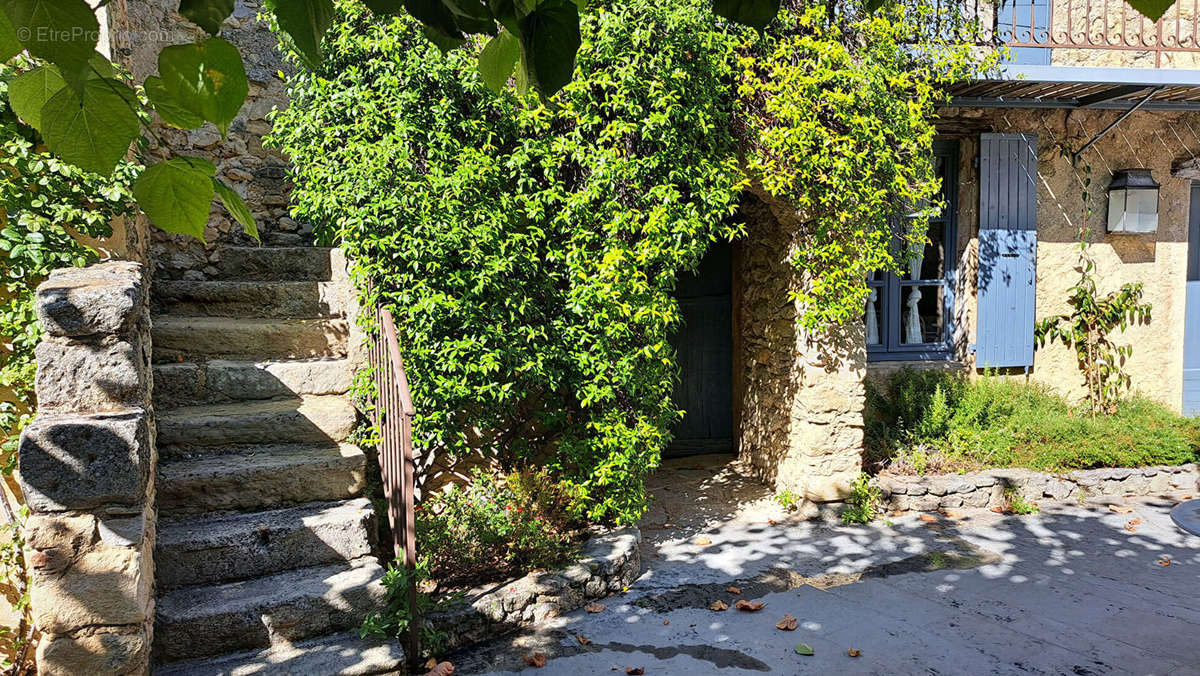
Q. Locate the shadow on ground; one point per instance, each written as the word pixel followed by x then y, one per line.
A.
pixel 1077 589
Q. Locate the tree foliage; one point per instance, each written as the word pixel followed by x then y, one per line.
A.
pixel 530 252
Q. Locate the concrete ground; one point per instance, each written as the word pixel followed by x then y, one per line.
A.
pixel 1076 589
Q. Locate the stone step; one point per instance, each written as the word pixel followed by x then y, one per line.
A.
pixel 220 548
pixel 316 419
pixel 217 381
pixel 293 263
pixel 305 299
pixel 268 611
pixel 336 655
pixel 263 477
pixel 183 338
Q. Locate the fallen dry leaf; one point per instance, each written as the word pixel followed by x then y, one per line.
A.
pixel 440 668
pixel 788 623
pixel 431 663
pixel 733 590
pixel 666 622
pixel 703 541
pixel 1131 528
pixel 718 606
pixel 749 606
pixel 1164 561
pixel 772 522
pixel 998 510
pixel 929 518
pixel 583 640
pixel 634 671
pixel 594 607
pixel 535 660
pixel 1120 509
pixel 950 514
pixel 854 652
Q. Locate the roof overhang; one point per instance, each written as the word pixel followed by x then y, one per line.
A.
pixel 1016 86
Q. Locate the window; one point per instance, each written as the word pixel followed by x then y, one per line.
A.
pixel 909 315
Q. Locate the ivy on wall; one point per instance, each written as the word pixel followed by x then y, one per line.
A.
pixel 530 251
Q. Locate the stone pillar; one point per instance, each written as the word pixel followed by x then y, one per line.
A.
pixel 801 426
pixel 87 471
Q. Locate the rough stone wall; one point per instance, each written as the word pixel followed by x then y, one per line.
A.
pixel 1147 139
pixel 86 470
pixel 140 28
pixel 801 423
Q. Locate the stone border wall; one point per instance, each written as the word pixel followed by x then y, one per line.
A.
pixel 87 467
pixel 987 489
pixel 608 564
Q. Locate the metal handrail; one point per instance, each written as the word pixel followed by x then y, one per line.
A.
pixel 392 414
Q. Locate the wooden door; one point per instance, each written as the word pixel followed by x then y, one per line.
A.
pixel 704 345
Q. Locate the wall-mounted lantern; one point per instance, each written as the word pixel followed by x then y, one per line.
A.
pixel 1133 202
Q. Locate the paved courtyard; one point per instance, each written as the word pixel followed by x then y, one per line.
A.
pixel 1076 589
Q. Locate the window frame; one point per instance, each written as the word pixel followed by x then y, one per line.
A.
pixel 891 286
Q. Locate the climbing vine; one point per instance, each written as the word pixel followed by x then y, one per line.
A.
pixel 529 251
pixel 1089 327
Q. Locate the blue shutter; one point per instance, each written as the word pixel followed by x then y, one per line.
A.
pixel 1007 250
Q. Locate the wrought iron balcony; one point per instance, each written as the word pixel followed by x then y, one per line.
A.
pixel 1078 32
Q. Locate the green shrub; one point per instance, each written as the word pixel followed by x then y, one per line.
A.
pixel 920 420
pixel 493 527
pixel 863 504
pixel 530 252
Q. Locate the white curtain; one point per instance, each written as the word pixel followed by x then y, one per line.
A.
pixel 912 318
pixel 872 319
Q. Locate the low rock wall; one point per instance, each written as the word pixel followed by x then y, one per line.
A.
pixel 607 564
pixel 87 467
pixel 988 489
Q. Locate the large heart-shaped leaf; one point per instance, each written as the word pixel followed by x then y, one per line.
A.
pixel 63 32
pixel 10 46
pixel 171 111
pixel 29 93
pixel 497 60
pixel 753 13
pixel 549 40
pixel 436 15
pixel 1152 9
pixel 305 23
pixel 207 14
pixel 93 131
pixel 236 207
pixel 471 16
pixel 177 194
pixel 206 78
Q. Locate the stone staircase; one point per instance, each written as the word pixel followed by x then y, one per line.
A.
pixel 265 558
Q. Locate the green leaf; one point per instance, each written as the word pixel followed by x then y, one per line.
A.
pixel 236 207
pixel 753 13
pixel 497 60
pixel 549 41
pixel 170 110
pixel 10 46
pixel 63 32
pixel 207 14
pixel 29 92
pixel 177 194
pixel 92 132
pixel 472 17
pixel 441 40
pixel 804 649
pixel 206 78
pixel 1151 9
pixel 872 5
pixel 436 15
pixel 305 22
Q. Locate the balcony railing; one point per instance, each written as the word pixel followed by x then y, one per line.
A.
pixel 1091 25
